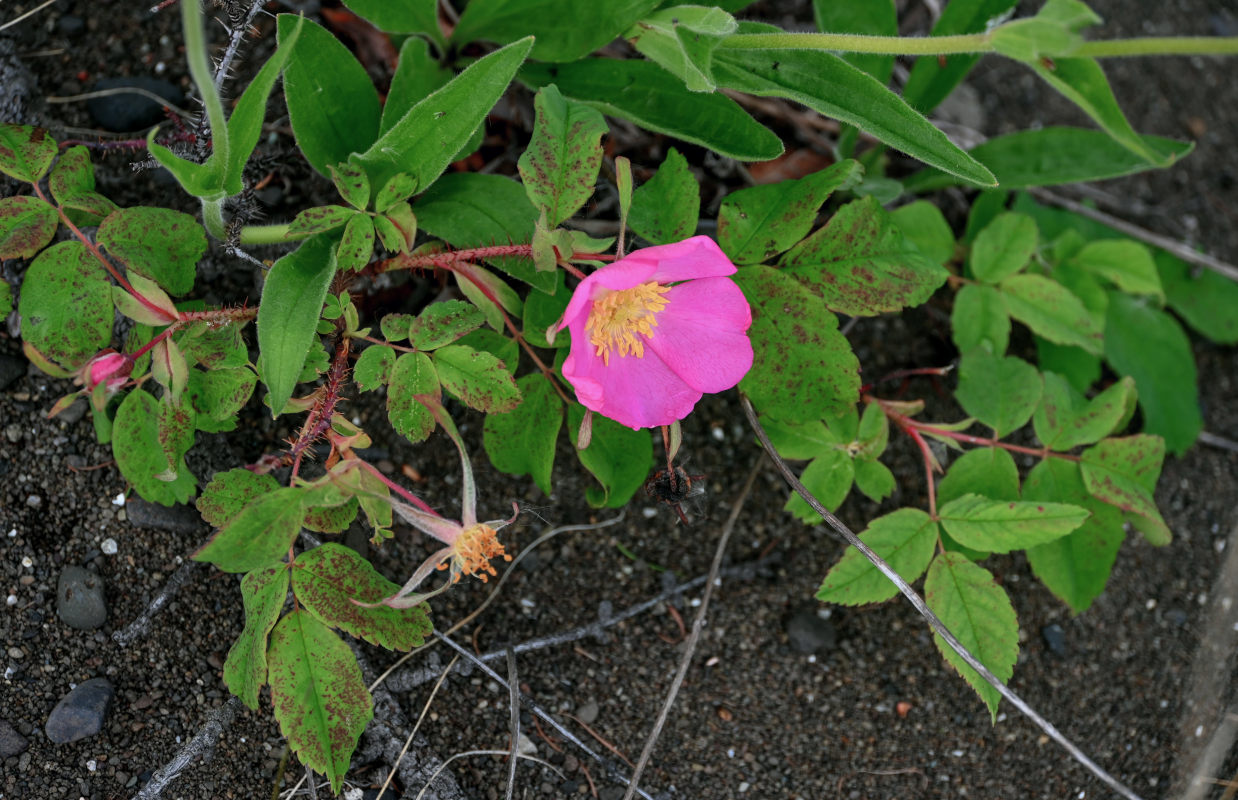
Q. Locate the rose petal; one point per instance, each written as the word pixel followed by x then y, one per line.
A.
pixel 698 257
pixel 701 335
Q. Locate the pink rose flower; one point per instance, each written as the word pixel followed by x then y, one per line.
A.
pixel 110 367
pixel 653 332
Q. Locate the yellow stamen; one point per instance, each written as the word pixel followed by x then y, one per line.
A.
pixel 617 318
pixel 473 551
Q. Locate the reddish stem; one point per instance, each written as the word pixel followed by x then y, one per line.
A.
pixel 397 488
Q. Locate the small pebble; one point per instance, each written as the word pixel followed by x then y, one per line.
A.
pixel 588 713
pixel 12 743
pixel 809 633
pixel 1055 638
pixel 80 602
pixel 81 712
pixel 108 546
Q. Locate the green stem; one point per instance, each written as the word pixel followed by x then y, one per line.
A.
pixel 269 234
pixel 975 43
pixel 213 218
pixel 200 70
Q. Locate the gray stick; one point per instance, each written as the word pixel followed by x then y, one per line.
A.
pixel 202 744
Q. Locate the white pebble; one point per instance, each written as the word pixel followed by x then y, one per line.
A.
pixel 11 600
pixel 27 562
pixel 12 533
pixel 108 546
pixel 649 512
pixel 718 434
pixel 1151 604
pixel 92 765
pixel 119 500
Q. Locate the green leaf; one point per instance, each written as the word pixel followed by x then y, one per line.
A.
pixel 138 440
pixel 352 184
pixel 1000 392
pixel 620 458
pixel 212 345
pixel 933 79
pixel 682 40
pixel 667 207
pixel 159 243
pixel 873 18
pixel 504 348
pixel 443 323
pixel 758 223
pixel 829 85
pixel 1125 263
pixel 72 183
pixel 229 492
pixel 27 224
pixel 984 209
pixel 477 378
pixel 522 441
pixel 25 152
pixel 218 395
pixel 1123 473
pixel 318 694
pixel 874 480
pixel 66 304
pixel 986 471
pixel 357 245
pixel 978 612
pixel 199 180
pixel 861 264
pixel 1052 311
pixel 565 30
pixel 925 226
pixel 1150 346
pixel 1065 420
pixel 1004 247
pixel 1076 567
pixel 800 440
pixel 873 434
pixel 417 75
pixel 332 103
pixel 328 578
pixel 1077 365
pixel 398 189
pixel 260 534
pixel 541 311
pixel 412 375
pixel 1205 300
pixel 288 314
pixel 828 477
pixel 1000 526
pixel 471 210
pixel 263 592
pixel 6 299
pixel 245 124
pixel 373 367
pixel 561 163
pixel 648 95
pixel 905 539
pixel 1083 82
pixel 408 16
pixel 1056 155
pixel 979 319
pixel 803 367
pixel 428 136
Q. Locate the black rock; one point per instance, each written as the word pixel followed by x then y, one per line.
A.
pixel 809 633
pixel 79 599
pixel 12 743
pixel 128 111
pixel 1055 638
pixel 70 25
pixel 177 519
pixel 81 712
pixel 11 368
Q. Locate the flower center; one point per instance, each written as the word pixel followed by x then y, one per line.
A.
pixel 618 317
pixel 473 551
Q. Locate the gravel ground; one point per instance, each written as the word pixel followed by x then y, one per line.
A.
pixel 757 717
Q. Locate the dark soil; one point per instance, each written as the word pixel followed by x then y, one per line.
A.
pixel 1140 681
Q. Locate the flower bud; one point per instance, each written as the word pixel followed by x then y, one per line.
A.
pixel 110 367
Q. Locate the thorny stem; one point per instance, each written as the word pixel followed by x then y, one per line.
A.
pixel 319 418
pixel 450 258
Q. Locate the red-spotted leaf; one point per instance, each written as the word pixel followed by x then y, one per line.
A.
pixel 667 207
pixel 260 534
pixel 25 152
pixel 66 304
pixel 229 492
pixel 149 446
pixel 560 165
pixel 72 183
pixel 373 368
pixel 357 244
pixel 999 526
pixel 1051 311
pixel 978 612
pixel 318 693
pixel 218 396
pixel 263 592
pixel 478 378
pixel 1065 420
pixel 162 244
pixel 321 218
pixel 1123 472
pixel 905 539
pixel 758 223
pixel 1075 567
pixel 327 579
pixel 352 183
pixel 27 224
pixel 861 264
pixel 412 375
pixel 443 323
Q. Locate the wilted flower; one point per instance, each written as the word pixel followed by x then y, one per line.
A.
pixel 653 332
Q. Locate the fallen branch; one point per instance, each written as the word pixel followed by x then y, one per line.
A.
pixel 140 625
pixel 202 744
pixel 934 622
